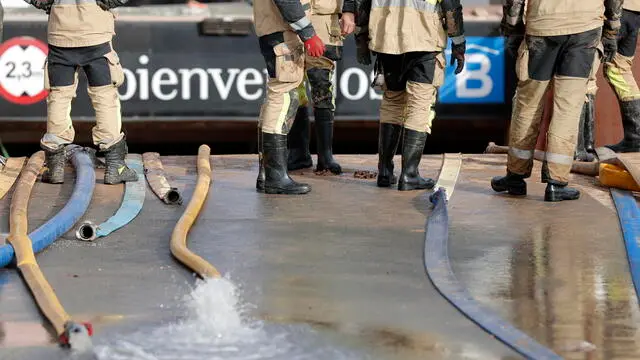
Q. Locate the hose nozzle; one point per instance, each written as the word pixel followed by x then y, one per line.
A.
pixel 87 231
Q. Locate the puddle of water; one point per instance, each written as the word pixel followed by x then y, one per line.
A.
pixel 217 326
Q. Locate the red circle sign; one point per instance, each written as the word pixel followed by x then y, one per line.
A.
pixel 22 70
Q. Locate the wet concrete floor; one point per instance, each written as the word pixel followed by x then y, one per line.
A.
pixel 345 260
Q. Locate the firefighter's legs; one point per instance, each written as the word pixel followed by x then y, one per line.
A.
pixel 298 137
pixel 392 110
pixel 320 74
pixel 534 68
pixel 424 74
pixel 284 58
pixel 570 86
pixel 620 76
pixel 62 82
pixel 105 75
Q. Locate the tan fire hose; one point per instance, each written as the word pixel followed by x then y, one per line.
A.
pixel 68 332
pixel 9 171
pixel 154 173
pixel 179 237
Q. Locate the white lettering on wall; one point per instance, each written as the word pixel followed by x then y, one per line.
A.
pixel 481 74
pixel 361 79
pixel 203 81
pixel 167 84
pixel 249 77
pixel 158 81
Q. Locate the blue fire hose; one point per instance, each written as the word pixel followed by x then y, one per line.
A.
pixel 132 202
pixel 629 217
pixel 64 220
pixel 438 267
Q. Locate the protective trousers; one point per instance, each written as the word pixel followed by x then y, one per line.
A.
pixel 568 61
pixel 320 70
pixel 104 73
pixel 284 56
pixel 411 83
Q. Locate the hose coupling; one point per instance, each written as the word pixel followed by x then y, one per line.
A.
pixel 173 197
pixel 88 231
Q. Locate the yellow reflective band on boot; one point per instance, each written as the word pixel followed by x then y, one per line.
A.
pixel 121 169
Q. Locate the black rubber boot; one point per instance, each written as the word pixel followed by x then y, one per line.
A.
pixel 324 137
pixel 55 162
pixel 260 179
pixel 412 149
pixel 584 133
pixel 513 184
pixel 544 172
pixel 116 170
pixel 559 191
pixel 388 139
pixel 298 140
pixel 631 124
pixel 277 180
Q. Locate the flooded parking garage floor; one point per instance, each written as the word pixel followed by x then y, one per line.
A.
pixel 337 274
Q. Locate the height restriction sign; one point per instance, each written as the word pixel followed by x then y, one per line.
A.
pixel 21 70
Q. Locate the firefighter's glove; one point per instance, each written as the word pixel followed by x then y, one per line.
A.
pixel 108 4
pixel 362 49
pixel 42 5
pixel 314 46
pixel 609 43
pixel 457 53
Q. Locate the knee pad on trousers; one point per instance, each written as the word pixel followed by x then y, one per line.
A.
pixel 106 103
pixel 321 88
pixel 59 127
pixel 292 110
pixel 393 106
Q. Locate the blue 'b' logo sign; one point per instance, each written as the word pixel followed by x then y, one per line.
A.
pixel 482 80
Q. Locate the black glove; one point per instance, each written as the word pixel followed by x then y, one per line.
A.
pixel 108 4
pixel 513 44
pixel 42 5
pixel 609 43
pixel 362 49
pixel 457 53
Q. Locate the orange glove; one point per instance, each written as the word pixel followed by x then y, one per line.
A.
pixel 315 46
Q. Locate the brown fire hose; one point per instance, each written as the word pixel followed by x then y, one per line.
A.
pixel 178 242
pixel 69 332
